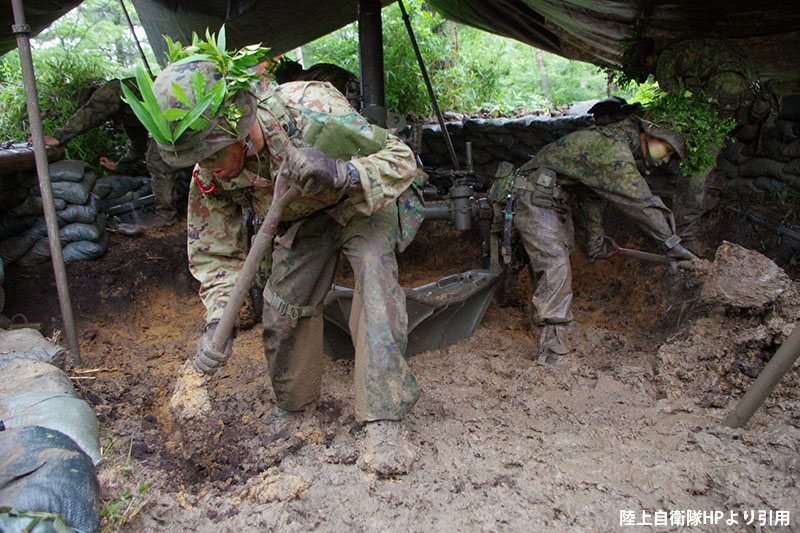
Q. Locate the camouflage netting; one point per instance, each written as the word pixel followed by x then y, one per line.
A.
pixel 746 309
pixel 80 199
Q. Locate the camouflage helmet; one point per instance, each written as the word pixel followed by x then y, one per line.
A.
pixel 671 137
pixel 194 146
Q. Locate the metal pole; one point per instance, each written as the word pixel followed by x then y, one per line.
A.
pixel 431 94
pixel 370 46
pixel 135 39
pixel 23 32
pixel 767 380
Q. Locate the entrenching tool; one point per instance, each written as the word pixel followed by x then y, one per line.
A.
pixel 190 397
pixel 640 255
pixel 258 248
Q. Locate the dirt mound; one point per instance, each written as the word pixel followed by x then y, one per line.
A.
pixel 624 423
pixel 745 310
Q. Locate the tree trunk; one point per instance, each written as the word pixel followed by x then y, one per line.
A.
pixel 543 76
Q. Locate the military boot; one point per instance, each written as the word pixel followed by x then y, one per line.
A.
pixel 387 452
pixel 553 343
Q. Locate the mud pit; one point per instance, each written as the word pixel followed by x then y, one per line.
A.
pixel 632 420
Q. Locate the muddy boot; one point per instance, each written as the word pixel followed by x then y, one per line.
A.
pixel 597 248
pixel 387 452
pixel 250 313
pixel 159 219
pixel 281 423
pixel 553 343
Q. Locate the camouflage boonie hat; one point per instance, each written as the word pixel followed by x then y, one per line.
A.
pixel 672 138
pixel 194 146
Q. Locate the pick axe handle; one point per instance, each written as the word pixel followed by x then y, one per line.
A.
pixel 246 275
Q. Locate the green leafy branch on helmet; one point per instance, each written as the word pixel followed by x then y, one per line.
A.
pixel 697 119
pixel 237 74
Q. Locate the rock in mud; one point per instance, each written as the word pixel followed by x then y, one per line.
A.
pixel 743 278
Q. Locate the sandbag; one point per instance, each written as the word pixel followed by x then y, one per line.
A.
pixel 33 205
pixel 11 225
pixel 86 250
pixel 42 470
pixel 115 185
pixel 15 247
pixel 30 344
pixel 67 170
pixel 71 416
pixel 26 375
pixel 73 192
pixel 80 213
pixel 79 231
pixel 71 233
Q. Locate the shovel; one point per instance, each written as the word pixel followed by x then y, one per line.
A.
pixel 640 255
pixel 190 397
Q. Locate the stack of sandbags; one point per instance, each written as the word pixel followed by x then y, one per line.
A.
pixel 23 231
pixel 765 156
pixel 48 438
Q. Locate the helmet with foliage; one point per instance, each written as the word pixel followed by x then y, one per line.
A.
pixel 181 86
pixel 202 101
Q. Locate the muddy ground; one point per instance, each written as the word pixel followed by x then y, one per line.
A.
pixel 631 421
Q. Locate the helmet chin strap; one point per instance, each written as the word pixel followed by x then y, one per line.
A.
pixel 248 143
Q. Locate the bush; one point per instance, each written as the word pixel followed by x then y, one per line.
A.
pixel 64 78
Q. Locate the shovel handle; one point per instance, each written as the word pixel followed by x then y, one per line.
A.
pixel 246 275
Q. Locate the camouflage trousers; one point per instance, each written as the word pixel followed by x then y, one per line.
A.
pixel 170 185
pixel 302 273
pixel 546 234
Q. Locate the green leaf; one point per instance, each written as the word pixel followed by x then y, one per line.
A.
pixel 179 93
pixel 221 45
pixel 193 58
pixel 144 116
pixel 60 526
pixel 149 100
pixel 199 124
pixel 174 114
pixel 193 115
pixel 198 84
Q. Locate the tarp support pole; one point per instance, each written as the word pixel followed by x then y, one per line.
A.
pixel 434 102
pixel 767 380
pixel 370 49
pixel 135 39
pixel 23 33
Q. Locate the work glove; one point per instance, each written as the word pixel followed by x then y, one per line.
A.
pixel 313 171
pixel 207 360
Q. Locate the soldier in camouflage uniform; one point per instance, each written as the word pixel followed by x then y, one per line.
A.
pixel 599 165
pixel 142 157
pixel 351 175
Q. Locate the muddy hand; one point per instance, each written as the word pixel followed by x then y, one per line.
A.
pixel 312 170
pixel 208 359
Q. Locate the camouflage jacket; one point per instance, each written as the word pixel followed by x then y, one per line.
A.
pixel 215 225
pixel 591 156
pixel 103 105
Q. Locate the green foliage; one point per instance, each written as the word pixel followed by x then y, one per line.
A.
pixel 237 74
pixel 81 50
pixel 58 522
pixel 697 119
pixel 471 70
pixel 62 78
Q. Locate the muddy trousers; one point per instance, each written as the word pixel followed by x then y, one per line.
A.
pixel 302 273
pixel 546 235
pixel 170 185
